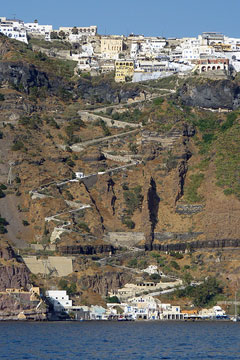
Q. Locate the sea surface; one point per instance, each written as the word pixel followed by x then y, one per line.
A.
pixel 120 340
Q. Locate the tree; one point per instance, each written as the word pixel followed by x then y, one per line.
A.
pixel 62 34
pixel 75 30
pixel 113 300
pixel 187 278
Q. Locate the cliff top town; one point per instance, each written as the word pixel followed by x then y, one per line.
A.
pixel 119 175
pixel 134 57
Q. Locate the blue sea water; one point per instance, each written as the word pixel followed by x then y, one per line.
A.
pixel 125 340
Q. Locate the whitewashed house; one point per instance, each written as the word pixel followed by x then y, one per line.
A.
pixel 14 29
pixel 170 312
pixel 35 29
pixel 143 307
pixel 59 299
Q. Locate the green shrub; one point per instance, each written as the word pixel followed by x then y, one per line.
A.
pixel 229 122
pixel 3 230
pixel 18 180
pixel 177 255
pixel 70 288
pixel 204 294
pixel 129 223
pixel 113 300
pixel 83 226
pixel 175 265
pixel 191 190
pixel 227 161
pixel 32 122
pixel 158 101
pixel 18 145
pixel 133 199
pixel 25 223
pixel 125 186
pixel 2 98
pixel 70 162
pixel 208 138
pixel 155 277
pixel 3 223
pixel 133 263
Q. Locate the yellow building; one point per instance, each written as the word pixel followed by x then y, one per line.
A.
pixel 123 70
pixel 111 46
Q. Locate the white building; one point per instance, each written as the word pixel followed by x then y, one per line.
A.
pixel 170 312
pixel 59 299
pixel 153 46
pixel 79 175
pixel 14 29
pixel 36 29
pixel 76 33
pixel 215 312
pixel 143 307
pixel 151 269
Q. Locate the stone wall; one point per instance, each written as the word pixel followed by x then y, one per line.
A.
pixel 90 117
pixel 121 158
pixel 176 236
pixel 196 245
pixel 125 239
pixel 187 209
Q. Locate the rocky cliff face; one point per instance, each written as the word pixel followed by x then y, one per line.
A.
pixel 211 94
pixel 24 76
pixel 14 274
pixel 105 92
pixel 107 282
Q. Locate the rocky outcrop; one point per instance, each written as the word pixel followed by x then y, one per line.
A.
pixel 86 249
pixel 105 92
pixel 210 94
pixel 153 205
pixel 188 132
pixel 6 252
pixel 14 276
pixel 106 282
pixel 196 245
pixel 163 236
pixel 24 76
pixel 14 273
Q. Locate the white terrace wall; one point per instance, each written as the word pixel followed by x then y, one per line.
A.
pixel 57 265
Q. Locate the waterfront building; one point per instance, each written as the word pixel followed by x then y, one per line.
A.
pixel 59 299
pixel 97 313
